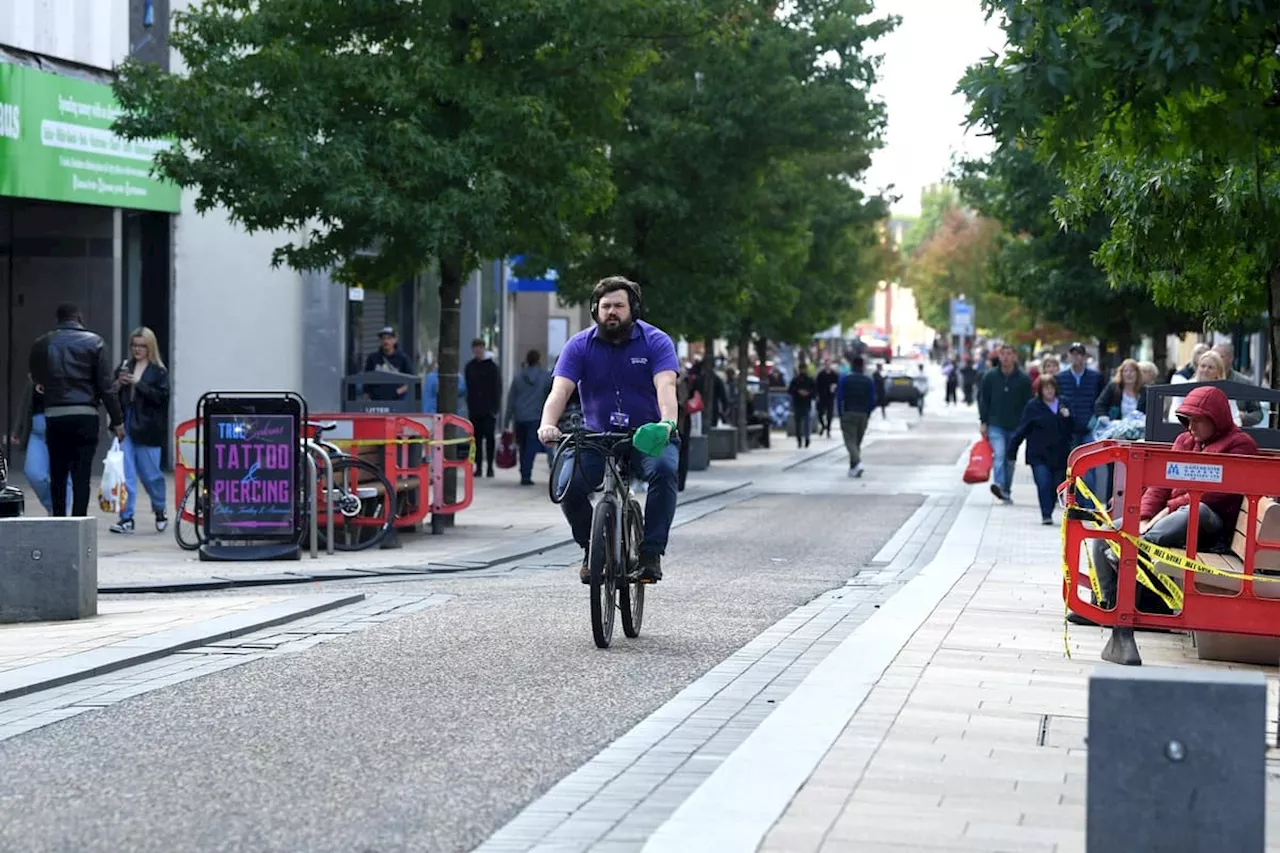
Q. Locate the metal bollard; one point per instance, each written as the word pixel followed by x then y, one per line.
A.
pixel 311 490
pixel 1177 760
pixel 318 451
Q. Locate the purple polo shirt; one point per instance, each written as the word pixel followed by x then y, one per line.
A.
pixel 612 378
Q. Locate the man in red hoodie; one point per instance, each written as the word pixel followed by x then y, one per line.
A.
pixel 1206 414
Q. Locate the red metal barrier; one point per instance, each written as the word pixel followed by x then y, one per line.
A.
pixel 413 451
pixel 1150 464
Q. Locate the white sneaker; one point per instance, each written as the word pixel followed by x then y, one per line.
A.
pixel 856 470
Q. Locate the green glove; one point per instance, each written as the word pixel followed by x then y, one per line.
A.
pixel 652 439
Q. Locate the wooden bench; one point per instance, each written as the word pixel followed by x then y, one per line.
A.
pixel 1240 648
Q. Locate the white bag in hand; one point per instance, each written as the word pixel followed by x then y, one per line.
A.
pixel 113 493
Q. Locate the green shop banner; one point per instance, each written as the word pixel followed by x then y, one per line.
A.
pixel 56 144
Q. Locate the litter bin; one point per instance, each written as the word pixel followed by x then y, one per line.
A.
pixel 374 393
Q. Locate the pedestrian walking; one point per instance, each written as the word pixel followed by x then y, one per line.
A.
pixel 951 371
pixel 1046 426
pixel 484 403
pixel 1002 396
pixel 855 401
pixel 882 390
pixel 30 438
pixel 71 364
pixel 801 389
pixel 528 393
pixel 921 383
pixel 968 380
pixel 827 380
pixel 142 384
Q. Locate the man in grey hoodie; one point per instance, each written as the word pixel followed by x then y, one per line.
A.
pixel 528 393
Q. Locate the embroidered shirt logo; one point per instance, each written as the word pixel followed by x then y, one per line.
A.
pixel 639 360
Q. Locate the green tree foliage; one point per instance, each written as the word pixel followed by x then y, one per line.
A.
pixel 379 137
pixel 1048 269
pixel 735 203
pixel 1163 118
pixel 936 202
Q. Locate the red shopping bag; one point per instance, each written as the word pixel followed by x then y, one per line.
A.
pixel 980 458
pixel 506 456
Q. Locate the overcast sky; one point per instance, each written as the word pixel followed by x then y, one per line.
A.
pixel 923 60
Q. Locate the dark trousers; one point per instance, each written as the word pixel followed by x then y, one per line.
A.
pixel 951 393
pixel 530 447
pixel 73 441
pixel 826 412
pixel 1168 532
pixel 485 426
pixel 802 415
pixel 659 472
pixel 1047 479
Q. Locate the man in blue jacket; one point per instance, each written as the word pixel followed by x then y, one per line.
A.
pixel 855 401
pixel 1078 387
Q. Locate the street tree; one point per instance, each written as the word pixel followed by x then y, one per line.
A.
pixel 380 138
pixel 1163 118
pixel 734 172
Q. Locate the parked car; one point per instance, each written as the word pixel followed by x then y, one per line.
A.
pixel 901 388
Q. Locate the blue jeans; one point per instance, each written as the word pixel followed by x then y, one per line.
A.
pixel 1047 480
pixel 35 466
pixel 530 447
pixel 660 502
pixel 142 461
pixel 1001 468
pixel 803 415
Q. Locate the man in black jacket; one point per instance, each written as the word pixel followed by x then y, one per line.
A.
pixel 71 367
pixel 484 402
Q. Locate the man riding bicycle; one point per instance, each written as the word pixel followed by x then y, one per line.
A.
pixel 625 373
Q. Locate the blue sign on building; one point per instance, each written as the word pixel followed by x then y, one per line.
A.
pixel 547 284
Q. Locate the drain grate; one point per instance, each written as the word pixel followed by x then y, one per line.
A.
pixel 1061 731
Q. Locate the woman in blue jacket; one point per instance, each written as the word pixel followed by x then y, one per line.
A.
pixel 1046 426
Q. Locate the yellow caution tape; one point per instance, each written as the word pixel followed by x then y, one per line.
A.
pixel 362 442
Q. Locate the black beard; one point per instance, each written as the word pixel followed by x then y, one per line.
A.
pixel 617 334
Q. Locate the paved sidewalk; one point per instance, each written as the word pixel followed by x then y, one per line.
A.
pixel 505 521
pixel 928 706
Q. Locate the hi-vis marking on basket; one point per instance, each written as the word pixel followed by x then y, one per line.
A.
pixel 1193 472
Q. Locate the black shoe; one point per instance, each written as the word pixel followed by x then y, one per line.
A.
pixel 162 522
pixel 125 525
pixel 585 574
pixel 649 570
pixel 489 473
pixel 526 482
pixel 479 472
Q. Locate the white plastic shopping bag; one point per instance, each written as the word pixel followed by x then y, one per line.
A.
pixel 113 492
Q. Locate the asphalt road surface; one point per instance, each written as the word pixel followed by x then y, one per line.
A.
pixel 431 731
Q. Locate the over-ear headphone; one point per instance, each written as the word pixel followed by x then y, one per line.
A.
pixel 633 298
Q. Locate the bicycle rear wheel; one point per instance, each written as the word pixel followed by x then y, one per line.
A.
pixel 186 524
pixel 602 559
pixel 631 595
pixel 362 501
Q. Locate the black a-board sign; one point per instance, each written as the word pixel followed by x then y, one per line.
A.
pixel 250 449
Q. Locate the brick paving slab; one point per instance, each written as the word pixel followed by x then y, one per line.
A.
pixel 974 737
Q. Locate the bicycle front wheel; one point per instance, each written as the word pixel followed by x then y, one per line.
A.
pixel 602 557
pixel 631 595
pixel 361 501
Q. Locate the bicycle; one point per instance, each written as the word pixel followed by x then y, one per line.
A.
pixel 617 528
pixel 360 494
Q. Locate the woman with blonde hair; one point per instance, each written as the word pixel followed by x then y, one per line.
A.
pixel 1209 368
pixel 143 385
pixel 1123 395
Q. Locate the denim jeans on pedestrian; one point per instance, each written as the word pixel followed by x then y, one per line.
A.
pixel 530 447
pixel 1001 468
pixel 660 473
pixel 36 465
pixel 142 462
pixel 1047 479
pixel 803 418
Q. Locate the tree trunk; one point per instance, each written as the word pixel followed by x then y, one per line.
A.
pixel 744 365
pixel 762 353
pixel 448 364
pixel 1103 359
pixel 1124 346
pixel 1273 331
pixel 1160 353
pixel 708 382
